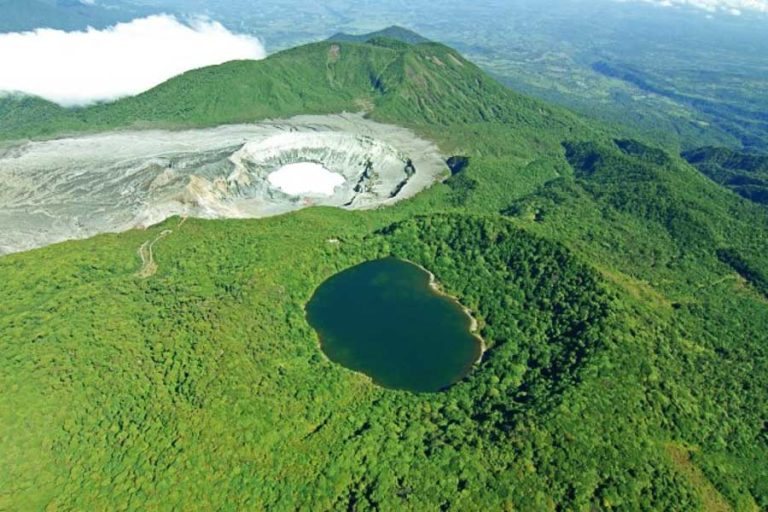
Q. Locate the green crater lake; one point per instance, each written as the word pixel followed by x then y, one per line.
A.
pixel 384 319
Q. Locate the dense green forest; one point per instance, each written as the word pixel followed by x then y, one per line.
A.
pixel 744 173
pixel 621 292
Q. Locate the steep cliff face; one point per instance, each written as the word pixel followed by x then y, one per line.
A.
pixel 77 187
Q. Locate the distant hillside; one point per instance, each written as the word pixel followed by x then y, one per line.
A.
pixel 394 32
pixel 744 173
pixel 746 121
pixel 24 15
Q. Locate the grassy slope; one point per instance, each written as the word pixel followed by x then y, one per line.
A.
pixel 203 385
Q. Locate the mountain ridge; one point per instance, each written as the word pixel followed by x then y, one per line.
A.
pixel 307 79
pixel 395 32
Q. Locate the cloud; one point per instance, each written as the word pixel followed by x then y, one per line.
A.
pixel 733 7
pixel 78 68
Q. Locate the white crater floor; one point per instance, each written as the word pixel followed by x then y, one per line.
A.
pixel 306 178
pixel 70 188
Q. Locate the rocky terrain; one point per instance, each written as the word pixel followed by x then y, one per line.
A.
pixel 77 187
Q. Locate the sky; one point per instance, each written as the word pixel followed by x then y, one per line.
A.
pixel 80 68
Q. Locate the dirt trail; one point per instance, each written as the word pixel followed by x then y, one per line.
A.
pixel 148 265
pixel 717 282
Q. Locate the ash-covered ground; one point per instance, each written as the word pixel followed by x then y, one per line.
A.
pixel 72 188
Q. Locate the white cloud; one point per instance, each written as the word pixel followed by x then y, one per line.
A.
pixel 78 68
pixel 733 7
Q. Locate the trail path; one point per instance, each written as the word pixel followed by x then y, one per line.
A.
pixel 717 282
pixel 148 265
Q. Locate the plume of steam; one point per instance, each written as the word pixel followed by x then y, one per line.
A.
pixel 79 68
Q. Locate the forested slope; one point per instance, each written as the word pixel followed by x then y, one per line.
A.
pixel 743 172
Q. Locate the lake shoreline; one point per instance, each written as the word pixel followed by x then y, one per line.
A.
pixel 474 326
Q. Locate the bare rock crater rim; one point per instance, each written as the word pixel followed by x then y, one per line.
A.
pixel 77 187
